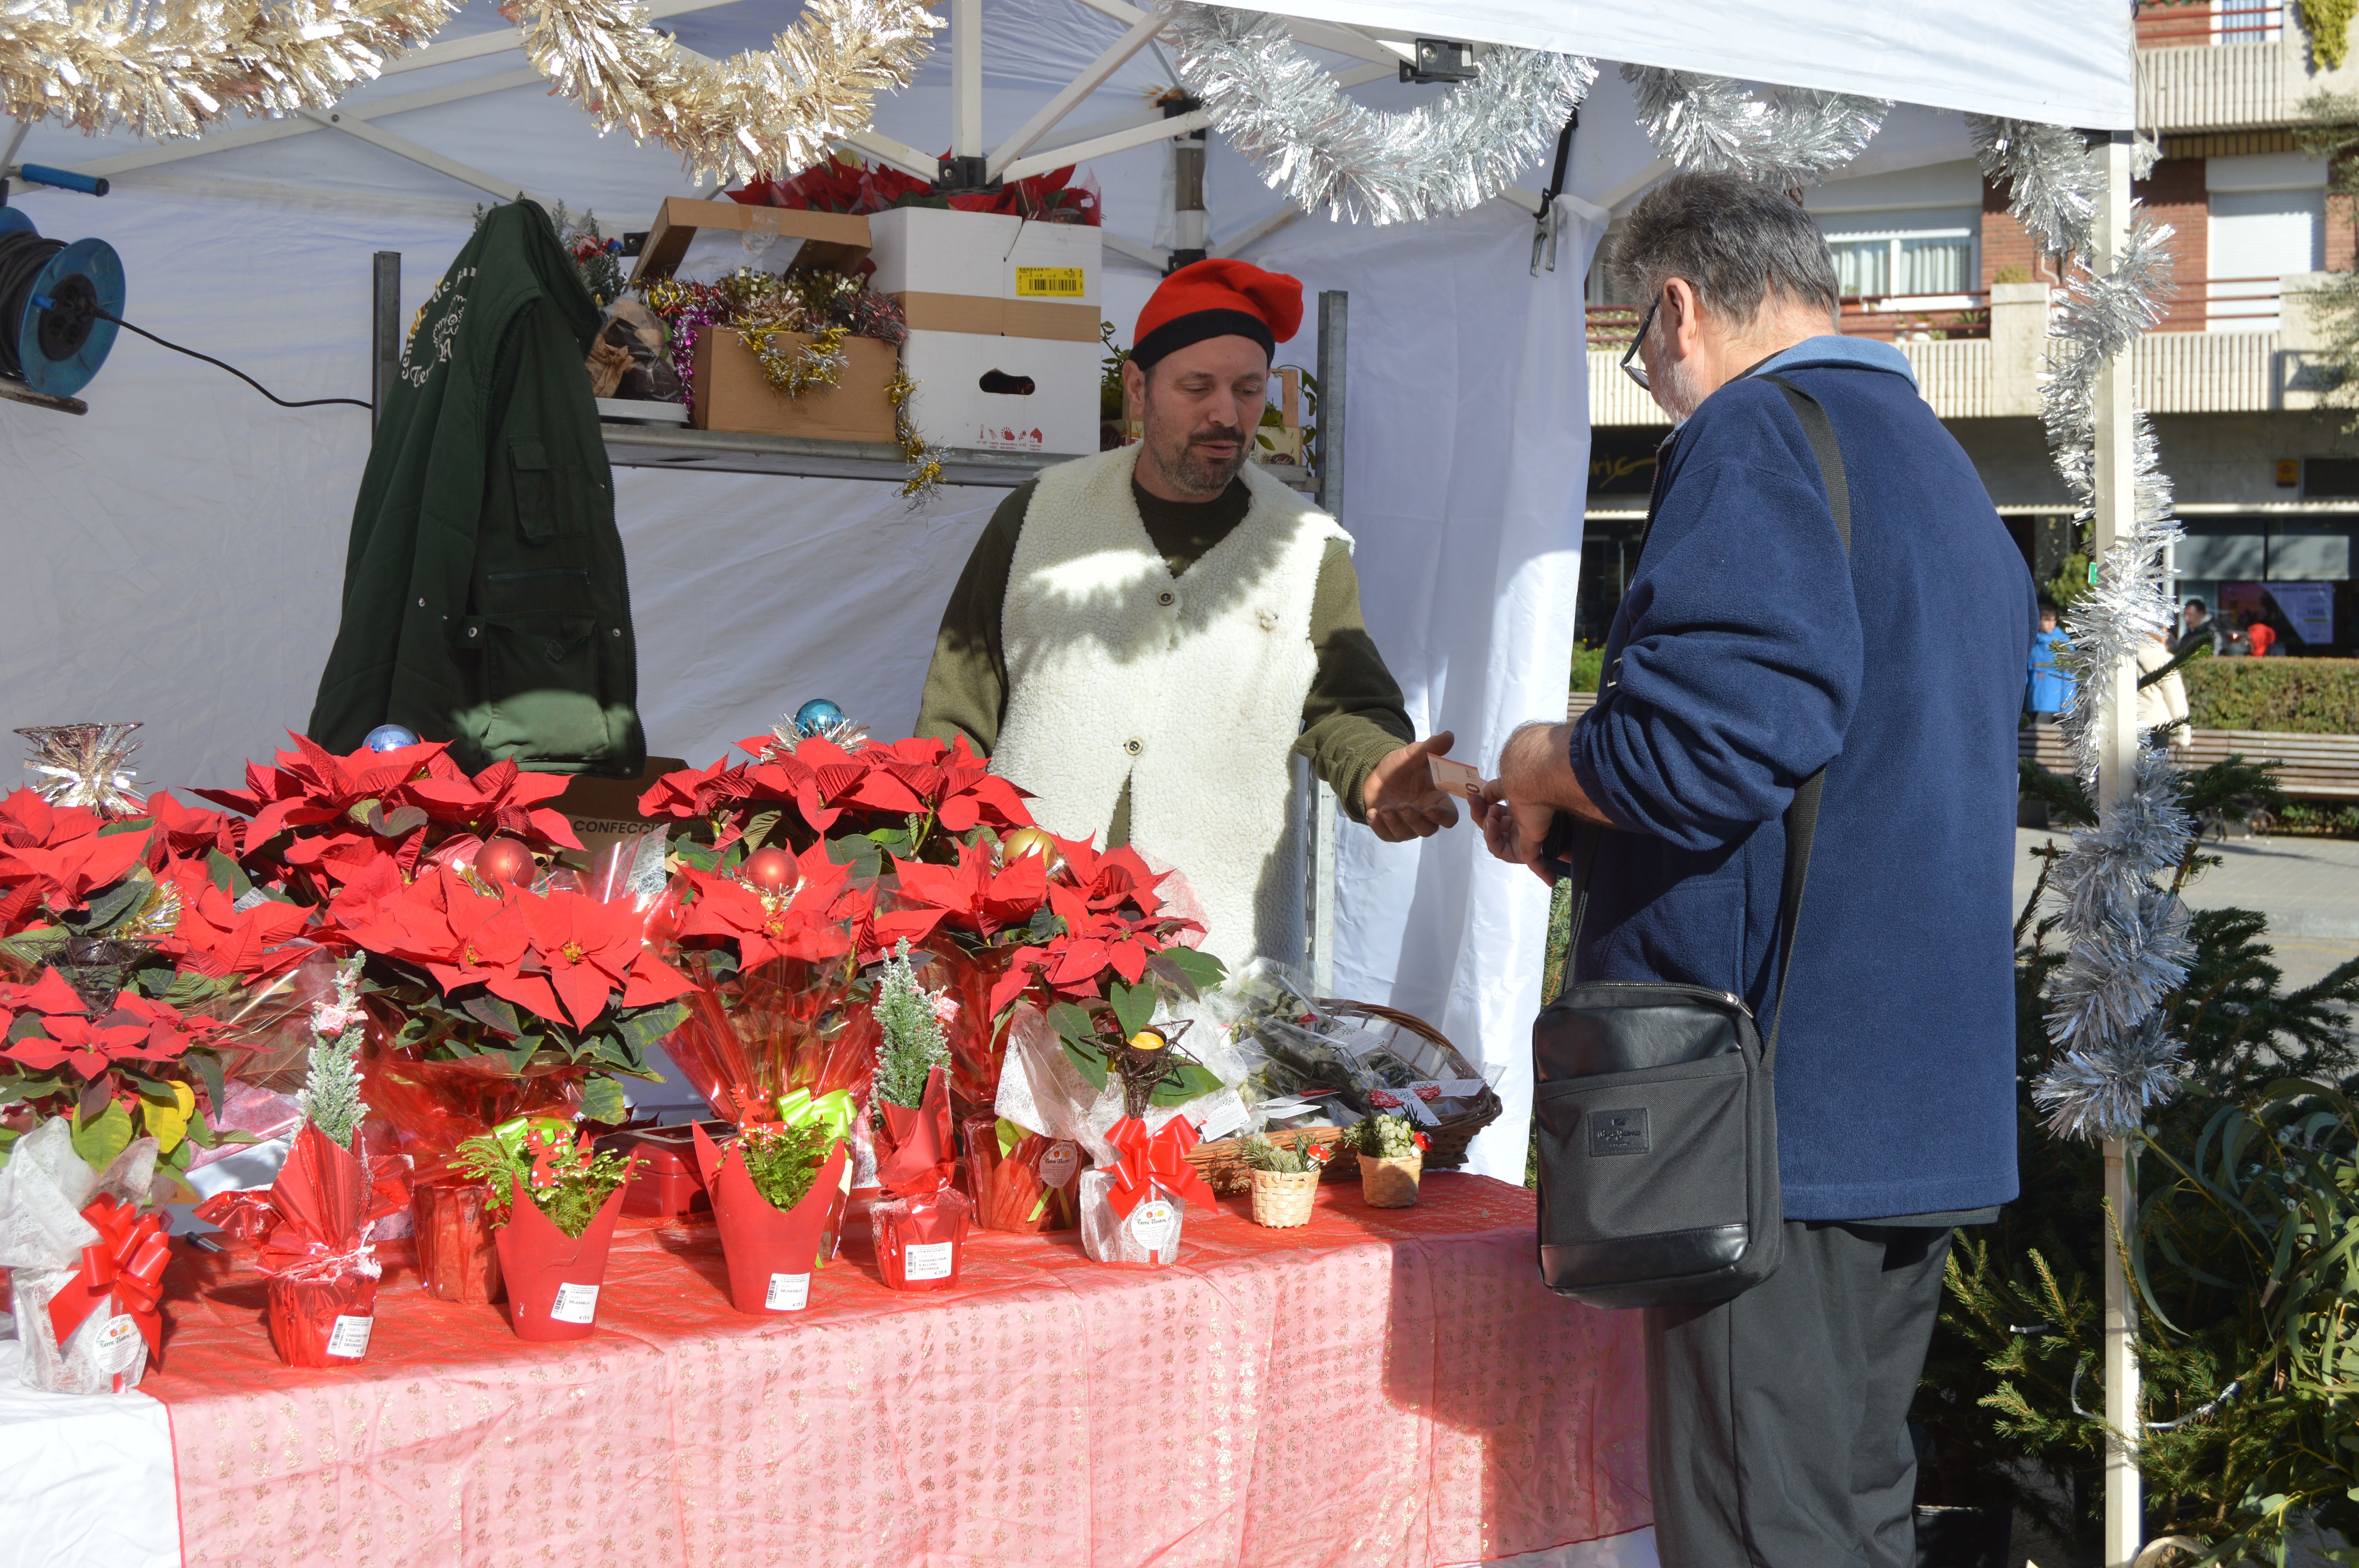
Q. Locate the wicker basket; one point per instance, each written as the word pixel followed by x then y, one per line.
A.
pixel 1281 1199
pixel 1221 1163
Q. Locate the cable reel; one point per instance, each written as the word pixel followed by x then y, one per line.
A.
pixel 56 304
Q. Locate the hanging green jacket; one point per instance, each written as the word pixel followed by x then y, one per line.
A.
pixel 485 602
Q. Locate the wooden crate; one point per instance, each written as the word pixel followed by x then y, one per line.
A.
pixel 732 394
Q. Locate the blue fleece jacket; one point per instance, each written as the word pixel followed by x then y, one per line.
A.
pixel 1747 652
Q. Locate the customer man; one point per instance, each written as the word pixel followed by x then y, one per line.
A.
pixel 2196 625
pixel 1143 637
pixel 1747 654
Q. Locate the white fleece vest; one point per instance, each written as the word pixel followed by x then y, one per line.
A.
pixel 1191 687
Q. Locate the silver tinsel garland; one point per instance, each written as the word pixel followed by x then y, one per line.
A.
pixel 1325 152
pixel 1793 137
pixel 2128 948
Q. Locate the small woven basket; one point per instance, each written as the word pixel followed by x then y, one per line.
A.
pixel 1223 1165
pixel 1390 1182
pixel 1281 1199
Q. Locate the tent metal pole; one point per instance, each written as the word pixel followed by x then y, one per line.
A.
pixel 966 79
pixel 2115 507
pixel 1093 77
pixel 384 331
pixel 1332 345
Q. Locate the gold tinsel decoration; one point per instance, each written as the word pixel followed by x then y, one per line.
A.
pixel 751 114
pixel 170 69
pixel 925 477
pixel 793 365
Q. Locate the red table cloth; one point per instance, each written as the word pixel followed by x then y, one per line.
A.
pixel 1380 1387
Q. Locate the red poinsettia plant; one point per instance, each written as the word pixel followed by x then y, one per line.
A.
pixel 316 823
pixel 843 183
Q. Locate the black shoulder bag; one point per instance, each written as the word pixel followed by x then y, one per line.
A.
pixel 1654 1104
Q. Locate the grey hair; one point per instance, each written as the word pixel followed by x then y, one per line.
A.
pixel 1735 241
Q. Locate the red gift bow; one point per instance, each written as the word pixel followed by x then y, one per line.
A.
pixel 1152 1160
pixel 126 1262
pixel 314 1221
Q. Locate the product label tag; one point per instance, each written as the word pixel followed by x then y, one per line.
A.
pixel 118 1346
pixel 1060 1163
pixel 575 1303
pixel 349 1337
pixel 788 1292
pixel 1050 283
pixel 927 1260
pixel 1227 1114
pixel 1155 1225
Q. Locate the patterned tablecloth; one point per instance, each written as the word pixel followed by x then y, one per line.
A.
pixel 1381 1387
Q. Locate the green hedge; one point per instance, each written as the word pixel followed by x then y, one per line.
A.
pixel 1588 665
pixel 2299 697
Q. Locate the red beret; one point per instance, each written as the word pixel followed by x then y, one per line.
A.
pixel 1217 299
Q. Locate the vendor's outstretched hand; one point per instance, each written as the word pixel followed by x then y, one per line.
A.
pixel 1399 799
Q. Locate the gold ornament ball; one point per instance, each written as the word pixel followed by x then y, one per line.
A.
pixel 1147 1040
pixel 1026 841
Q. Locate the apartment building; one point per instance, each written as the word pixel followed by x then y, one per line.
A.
pixel 1930 259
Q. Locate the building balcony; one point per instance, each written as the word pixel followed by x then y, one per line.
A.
pixel 1993 374
pixel 2238 65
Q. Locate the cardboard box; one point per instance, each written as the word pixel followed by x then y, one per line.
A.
pixel 926 250
pixel 605 811
pixel 772 239
pixel 1004 395
pixel 732 393
pixel 996 318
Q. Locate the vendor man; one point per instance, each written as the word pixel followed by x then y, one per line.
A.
pixel 1141 638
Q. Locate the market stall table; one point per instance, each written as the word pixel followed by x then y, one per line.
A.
pixel 1379 1387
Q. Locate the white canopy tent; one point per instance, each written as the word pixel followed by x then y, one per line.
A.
pixel 178 552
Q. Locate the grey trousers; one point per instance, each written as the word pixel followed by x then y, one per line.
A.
pixel 1777 1431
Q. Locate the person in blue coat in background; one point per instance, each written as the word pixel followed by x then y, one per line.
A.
pixel 2051 691
pixel 1749 652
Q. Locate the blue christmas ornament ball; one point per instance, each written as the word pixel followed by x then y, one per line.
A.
pixel 390 738
pixel 816 715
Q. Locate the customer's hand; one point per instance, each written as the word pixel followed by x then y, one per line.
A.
pixel 1515 833
pixel 1536 781
pixel 1399 799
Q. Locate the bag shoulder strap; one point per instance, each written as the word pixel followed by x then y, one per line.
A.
pixel 1803 814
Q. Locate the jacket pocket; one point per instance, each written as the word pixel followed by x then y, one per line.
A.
pixel 541 667
pixel 535 488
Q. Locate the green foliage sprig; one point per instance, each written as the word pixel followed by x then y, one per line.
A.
pixel 570 1199
pixel 1261 1152
pixel 331 1097
pixel 784 1160
pixel 913 1044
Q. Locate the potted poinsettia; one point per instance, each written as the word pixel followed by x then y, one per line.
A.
pixel 500 1003
pixel 556 1200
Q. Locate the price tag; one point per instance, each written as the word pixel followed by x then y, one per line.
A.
pixel 1227 1114
pixel 927 1260
pixel 349 1337
pixel 788 1292
pixel 575 1303
pixel 1060 1163
pixel 1050 283
pixel 1155 1226
pixel 118 1347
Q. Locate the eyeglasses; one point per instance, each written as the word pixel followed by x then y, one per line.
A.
pixel 1636 372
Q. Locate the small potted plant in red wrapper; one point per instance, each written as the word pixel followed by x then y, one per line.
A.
pixel 562 1201
pixel 920 1227
pixel 316 1222
pixel 774 1189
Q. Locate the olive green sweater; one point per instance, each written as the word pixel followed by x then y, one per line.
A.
pixel 1351 718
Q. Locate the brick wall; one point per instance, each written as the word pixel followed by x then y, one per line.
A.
pixel 2174 195
pixel 2342 252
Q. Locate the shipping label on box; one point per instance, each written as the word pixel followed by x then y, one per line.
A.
pixel 1003 394
pixel 925 250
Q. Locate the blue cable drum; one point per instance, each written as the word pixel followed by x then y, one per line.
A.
pixel 54 330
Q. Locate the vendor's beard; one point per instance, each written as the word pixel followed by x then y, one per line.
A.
pixel 1189 470
pixel 1680 395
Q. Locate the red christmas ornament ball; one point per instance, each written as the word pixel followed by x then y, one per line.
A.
pixel 771 870
pixel 505 860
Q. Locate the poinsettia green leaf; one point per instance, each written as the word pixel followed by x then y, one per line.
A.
pixel 602 1100
pixel 216 1080
pixel 646 1026
pixel 1134 1006
pixel 858 852
pixel 1184 1083
pixel 758 830
pixel 1071 1022
pixel 1088 1058
pixel 1201 967
pixel 695 855
pixel 227 874
pixel 107 908
pixel 400 823
pixel 495 1013
pixel 101 1138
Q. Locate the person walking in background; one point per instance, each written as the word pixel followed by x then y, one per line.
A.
pixel 2197 625
pixel 2051 686
pixel 1751 650
pixel 2161 697
pixel 2261 634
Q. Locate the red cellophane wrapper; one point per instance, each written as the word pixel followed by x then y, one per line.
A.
pixel 269 1038
pixel 322 1271
pixel 437 1106
pixel 1020 1180
pixel 978 1045
pixel 786 1024
pixel 553 1279
pixel 921 1239
pixel 771 1251
pixel 915 1153
pixel 458 1260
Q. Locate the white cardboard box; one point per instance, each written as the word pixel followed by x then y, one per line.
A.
pixel 1058 414
pixel 925 250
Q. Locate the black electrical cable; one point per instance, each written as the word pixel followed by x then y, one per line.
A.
pixel 305 403
pixel 23 254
